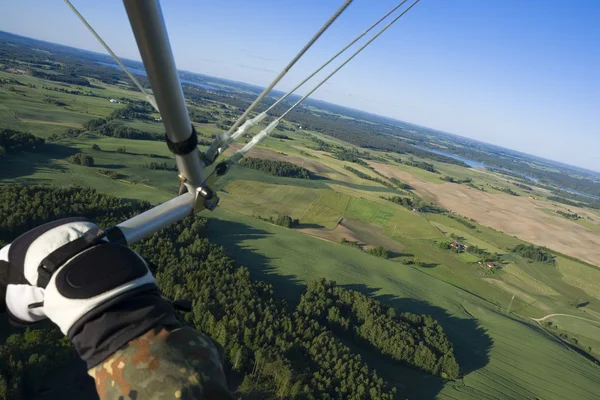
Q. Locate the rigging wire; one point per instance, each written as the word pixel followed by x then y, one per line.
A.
pixel 288 67
pixel 265 132
pixel 149 97
pixel 244 128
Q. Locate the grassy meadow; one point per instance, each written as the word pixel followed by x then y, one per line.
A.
pixel 503 353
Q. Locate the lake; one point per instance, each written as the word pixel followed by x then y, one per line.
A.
pixel 477 164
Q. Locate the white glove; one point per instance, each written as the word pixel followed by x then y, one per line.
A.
pixel 85 277
pixel 100 294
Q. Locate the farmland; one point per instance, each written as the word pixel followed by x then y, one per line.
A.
pixel 503 353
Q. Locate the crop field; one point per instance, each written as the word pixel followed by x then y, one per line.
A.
pixel 503 353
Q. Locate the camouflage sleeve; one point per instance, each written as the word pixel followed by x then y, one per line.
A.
pixel 163 364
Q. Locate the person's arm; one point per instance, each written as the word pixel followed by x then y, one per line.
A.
pixel 162 363
pixel 105 300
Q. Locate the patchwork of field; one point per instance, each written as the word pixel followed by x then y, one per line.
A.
pixel 503 353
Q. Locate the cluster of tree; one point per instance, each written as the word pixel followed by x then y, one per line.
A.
pixel 27 358
pixel 276 168
pixel 163 166
pixel 351 155
pixel 483 254
pixel 112 174
pixel 12 142
pixel 280 136
pixel 534 253
pixel 70 77
pixel 417 164
pixel 506 190
pixel 321 144
pixel 224 124
pixel 272 349
pixel 574 200
pixel 522 186
pixel 11 81
pixel 57 103
pixel 135 110
pixel 573 216
pixel 417 204
pixel 201 117
pixel 452 179
pixel 70 91
pixel 378 251
pixel 82 159
pixel 282 220
pixel 401 184
pixel 351 243
pixel 368 177
pixel 416 340
pixel 126 132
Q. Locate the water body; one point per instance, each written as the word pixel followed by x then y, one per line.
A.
pixel 470 163
pixel 477 164
pixel 138 71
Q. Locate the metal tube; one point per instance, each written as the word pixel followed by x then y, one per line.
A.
pixel 146 223
pixel 148 25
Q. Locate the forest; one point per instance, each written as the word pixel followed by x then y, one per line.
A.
pixel 412 339
pixel 276 168
pixel 12 142
pixel 272 350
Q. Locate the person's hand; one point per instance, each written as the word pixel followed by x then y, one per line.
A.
pixel 19 263
pixel 100 294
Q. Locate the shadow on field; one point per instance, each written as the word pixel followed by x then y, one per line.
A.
pixel 25 164
pixel 311 226
pixel 394 254
pixel 229 235
pixel 110 166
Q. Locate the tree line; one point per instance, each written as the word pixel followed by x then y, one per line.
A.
pixel 418 164
pixel 70 77
pixel 163 166
pixel 272 349
pixel 416 203
pixel 568 215
pixel 452 179
pixel 276 168
pixel 12 142
pixel 282 220
pixel 377 251
pixel 367 177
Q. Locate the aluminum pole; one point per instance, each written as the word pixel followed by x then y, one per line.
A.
pixel 143 225
pixel 148 25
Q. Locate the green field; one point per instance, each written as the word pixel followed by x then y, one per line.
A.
pixel 505 354
pixel 502 355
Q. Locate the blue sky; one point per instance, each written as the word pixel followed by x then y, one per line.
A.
pixel 524 74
